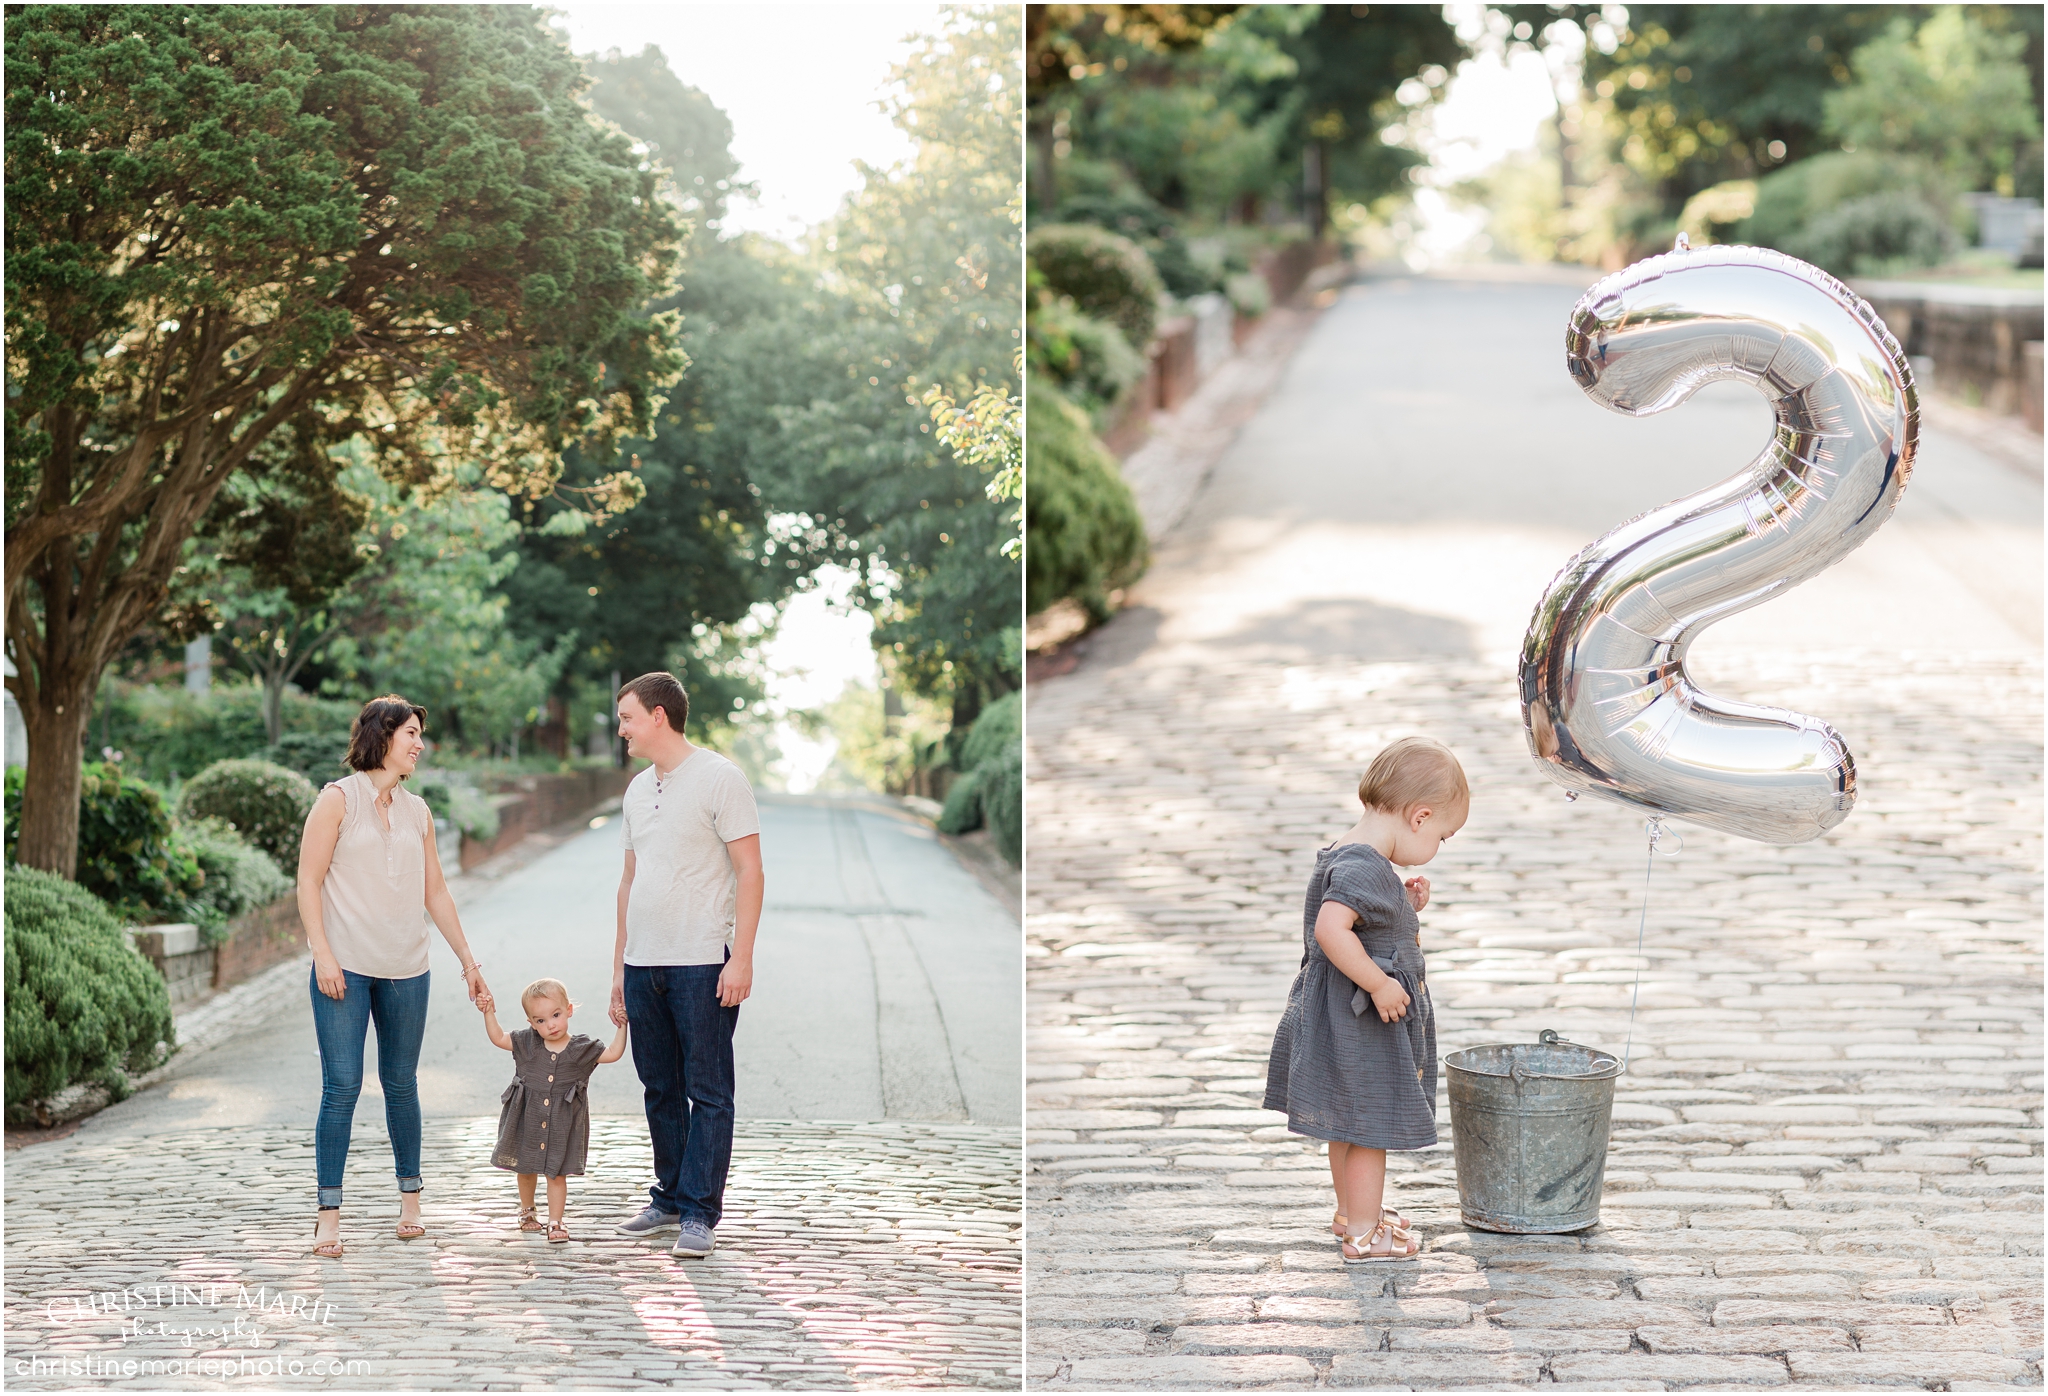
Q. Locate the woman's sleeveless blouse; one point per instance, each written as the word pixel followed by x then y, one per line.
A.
pixel 373 902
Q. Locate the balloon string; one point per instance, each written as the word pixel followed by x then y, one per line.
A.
pixel 1656 832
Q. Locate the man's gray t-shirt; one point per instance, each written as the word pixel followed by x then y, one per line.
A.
pixel 680 909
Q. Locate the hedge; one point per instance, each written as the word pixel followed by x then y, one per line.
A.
pixel 1109 277
pixel 990 789
pixel 1083 534
pixel 240 877
pixel 128 855
pixel 266 804
pixel 81 1004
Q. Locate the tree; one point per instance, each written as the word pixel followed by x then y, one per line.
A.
pixel 926 261
pixel 392 221
pixel 1951 90
pixel 269 570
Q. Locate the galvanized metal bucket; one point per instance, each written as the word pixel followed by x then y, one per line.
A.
pixel 1529 1127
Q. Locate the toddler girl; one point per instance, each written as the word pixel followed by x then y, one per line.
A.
pixel 1354 1060
pixel 545 1125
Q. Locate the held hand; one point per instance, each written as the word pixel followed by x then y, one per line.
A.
pixel 618 1004
pixel 1391 1000
pixel 327 970
pixel 1418 892
pixel 735 982
pixel 485 1003
pixel 473 980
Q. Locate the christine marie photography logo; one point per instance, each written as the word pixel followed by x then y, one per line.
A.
pixel 209 1321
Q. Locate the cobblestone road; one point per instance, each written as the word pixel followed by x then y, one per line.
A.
pixel 1826 1165
pixel 860 1255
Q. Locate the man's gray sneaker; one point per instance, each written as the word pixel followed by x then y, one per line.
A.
pixel 693 1238
pixel 650 1220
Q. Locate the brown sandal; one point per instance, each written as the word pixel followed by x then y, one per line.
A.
pixel 331 1250
pixel 558 1231
pixel 529 1222
pixel 1382 1243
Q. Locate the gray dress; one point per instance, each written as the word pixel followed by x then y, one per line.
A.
pixel 1345 1075
pixel 544 1127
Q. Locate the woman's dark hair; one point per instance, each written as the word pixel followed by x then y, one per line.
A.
pixel 664 691
pixel 369 736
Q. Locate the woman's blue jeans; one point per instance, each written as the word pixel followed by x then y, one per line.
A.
pixel 399 1009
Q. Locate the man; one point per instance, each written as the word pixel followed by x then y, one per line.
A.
pixel 689 905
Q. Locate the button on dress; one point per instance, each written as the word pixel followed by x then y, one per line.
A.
pixel 1348 1076
pixel 544 1127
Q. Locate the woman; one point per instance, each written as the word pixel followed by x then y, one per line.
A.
pixel 367 868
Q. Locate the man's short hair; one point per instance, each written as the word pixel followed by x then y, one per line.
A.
pixel 369 736
pixel 1414 771
pixel 665 691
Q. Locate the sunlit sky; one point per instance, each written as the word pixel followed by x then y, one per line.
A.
pixel 799 83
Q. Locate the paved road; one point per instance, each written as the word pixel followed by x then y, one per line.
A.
pixel 872 1235
pixel 867 911
pixel 1826 1165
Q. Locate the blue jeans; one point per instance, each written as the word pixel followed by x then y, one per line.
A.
pixel 399 1008
pixel 682 1048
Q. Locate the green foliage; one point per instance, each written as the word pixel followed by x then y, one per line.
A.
pixel 1002 800
pixel 457 799
pixel 1085 536
pixel 1878 232
pixel 167 734
pixel 879 749
pixel 1105 275
pixel 1250 294
pixel 987 435
pixel 990 788
pixel 1208 110
pixel 1087 359
pixel 127 855
pixel 686 135
pixel 1789 200
pixel 81 1004
pixel 239 876
pixel 318 756
pixel 1953 91
pixel 387 223
pixel 267 805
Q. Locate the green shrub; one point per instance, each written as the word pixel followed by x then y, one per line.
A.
pixel 458 801
pixel 1084 536
pixel 240 877
pixel 168 734
pixel 1109 277
pixel 962 812
pixel 990 789
pixel 127 856
pixel 1250 294
pixel 318 756
pixel 81 1004
pixel 1789 200
pixel 1876 233
pixel 266 804
pixel 1130 213
pixel 1089 359
pixel 1002 801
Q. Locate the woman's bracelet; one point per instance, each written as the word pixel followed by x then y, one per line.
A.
pixel 473 964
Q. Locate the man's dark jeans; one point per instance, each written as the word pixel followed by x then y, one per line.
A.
pixel 682 1048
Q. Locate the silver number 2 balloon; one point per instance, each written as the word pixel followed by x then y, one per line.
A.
pixel 1606 702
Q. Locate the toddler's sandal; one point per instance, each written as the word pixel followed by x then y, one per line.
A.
pixel 528 1222
pixel 1382 1243
pixel 1340 1225
pixel 557 1232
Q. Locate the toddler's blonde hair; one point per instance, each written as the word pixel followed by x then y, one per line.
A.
pixel 1414 771
pixel 545 989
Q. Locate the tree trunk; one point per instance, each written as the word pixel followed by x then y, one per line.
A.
pixel 56 716
pixel 273 704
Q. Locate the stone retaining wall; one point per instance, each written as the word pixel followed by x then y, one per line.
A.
pixel 1976 336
